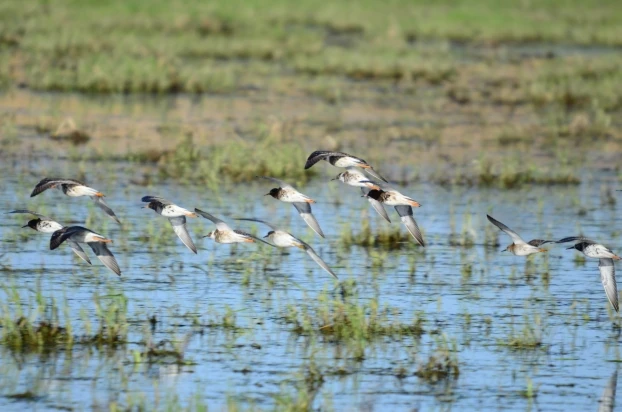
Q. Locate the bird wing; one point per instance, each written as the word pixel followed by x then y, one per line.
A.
pixel 65 233
pixel 243 233
pixel 107 258
pixel 319 155
pixel 304 210
pixel 378 207
pixel 406 215
pixel 149 199
pixel 515 237
pixel 59 237
pixel 99 202
pixel 282 184
pixel 179 226
pixel 608 278
pixel 250 219
pixel 77 249
pixel 370 170
pixel 608 398
pixel 50 182
pixel 30 212
pixel 220 225
pixel 575 239
pixel 317 259
pixel 539 242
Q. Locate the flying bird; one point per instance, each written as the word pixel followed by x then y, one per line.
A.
pixel 224 234
pixel 405 212
pixel 519 247
pixel 45 224
pixel 355 178
pixel 283 239
pixel 589 248
pixel 606 267
pixel 175 214
pixel 287 193
pixel 75 188
pixel 391 197
pixel 341 159
pixel 96 242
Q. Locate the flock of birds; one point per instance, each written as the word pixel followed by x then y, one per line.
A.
pixel 378 192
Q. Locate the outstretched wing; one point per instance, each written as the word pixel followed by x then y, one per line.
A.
pixel 539 242
pixel 406 215
pixel 59 237
pixel 107 258
pixel 243 233
pixel 608 398
pixel 375 174
pixel 99 202
pixel 304 210
pixel 318 259
pixel 50 182
pixel 220 225
pixel 250 219
pixel 515 237
pixel 575 239
pixel 378 207
pixel 282 184
pixel 319 155
pixel 179 226
pixel 149 199
pixel 608 278
pixel 77 249
pixel 30 212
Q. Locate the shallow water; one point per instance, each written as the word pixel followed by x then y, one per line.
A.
pixel 261 360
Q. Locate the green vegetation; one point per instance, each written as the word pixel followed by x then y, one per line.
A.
pixel 351 321
pixel 388 239
pixel 517 86
pixel 39 327
pixel 442 363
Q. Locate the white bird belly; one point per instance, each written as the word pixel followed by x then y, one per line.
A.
pixel 174 211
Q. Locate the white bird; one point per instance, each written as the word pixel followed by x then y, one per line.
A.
pixel 589 248
pixel 75 188
pixel 175 214
pixel 97 243
pixel 287 193
pixel 519 247
pixel 405 212
pixel 224 234
pixel 354 177
pixel 283 239
pixel 45 224
pixel 606 267
pixel 341 159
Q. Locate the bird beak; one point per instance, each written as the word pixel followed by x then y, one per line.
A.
pixel 25 226
pixel 267 194
pixel 266 236
pixel 571 247
pixel 333 179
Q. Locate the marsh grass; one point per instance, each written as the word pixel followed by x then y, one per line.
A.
pixel 352 322
pixel 530 337
pixel 233 161
pixel 387 239
pixel 442 363
pixel 45 325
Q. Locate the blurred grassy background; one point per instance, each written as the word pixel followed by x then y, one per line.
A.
pixel 447 77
